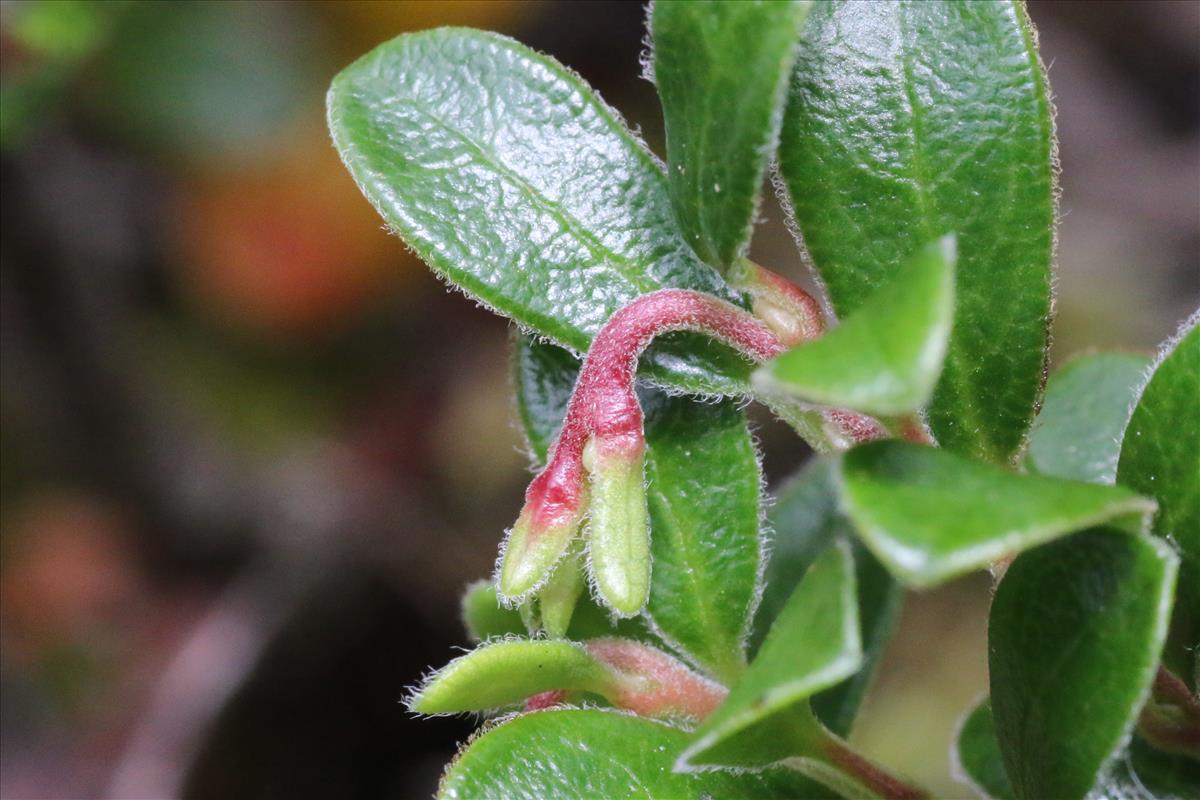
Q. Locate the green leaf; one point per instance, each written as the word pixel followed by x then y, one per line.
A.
pixel 483 615
pixel 813 644
pixel 703 497
pixel 930 515
pixel 1074 637
pixel 1144 773
pixel 721 70
pixel 885 357
pixel 514 182
pixel 805 521
pixel 486 618
pixel 1087 404
pixel 590 753
pixel 910 120
pixel 1160 457
pixel 976 755
pixel 506 672
pixel 880 598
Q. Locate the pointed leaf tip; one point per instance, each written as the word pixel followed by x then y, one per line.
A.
pixel 886 357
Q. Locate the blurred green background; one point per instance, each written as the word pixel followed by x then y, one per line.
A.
pixel 251 450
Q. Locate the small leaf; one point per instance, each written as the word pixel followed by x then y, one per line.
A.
pixel 930 515
pixel 591 753
pixel 486 618
pixel 513 181
pixel 1087 404
pixel 886 357
pixel 977 759
pixel 1160 457
pixel 507 672
pixel 806 521
pixel 1074 637
pixel 483 615
pixel 703 497
pixel 721 70
pixel 813 644
pixel 909 120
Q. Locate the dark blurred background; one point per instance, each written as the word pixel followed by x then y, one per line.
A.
pixel 251 450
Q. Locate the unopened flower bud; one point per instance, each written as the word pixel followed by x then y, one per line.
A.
pixel 619 528
pixel 790 312
pixel 548 522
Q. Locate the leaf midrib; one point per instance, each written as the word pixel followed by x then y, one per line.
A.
pixel 597 250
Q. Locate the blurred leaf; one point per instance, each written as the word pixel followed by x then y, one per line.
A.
pixel 1087 405
pixel 1144 773
pixel 930 515
pixel 601 754
pixel 1160 457
pixel 703 496
pixel 977 756
pixel 885 357
pixel 1074 637
pixel 910 120
pixel 813 644
pixel 513 181
pixel 721 70
pixel 210 79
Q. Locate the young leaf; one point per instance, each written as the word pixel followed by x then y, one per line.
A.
pixel 886 357
pixel 514 182
pixel 1160 456
pixel 703 497
pixel 507 672
pixel 906 121
pixel 483 615
pixel 930 515
pixel 1087 404
pixel 721 70
pixel 806 521
pixel 813 644
pixel 976 755
pixel 1074 637
pixel 592 753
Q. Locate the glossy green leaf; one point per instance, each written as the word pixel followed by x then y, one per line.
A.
pixel 1160 457
pixel 721 70
pixel 1087 404
pixel 885 357
pixel 976 755
pixel 805 522
pixel 506 672
pixel 930 515
pixel 910 120
pixel 514 182
pixel 587 753
pixel 813 644
pixel 703 495
pixel 1074 638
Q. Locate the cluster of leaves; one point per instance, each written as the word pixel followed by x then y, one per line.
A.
pixel 914 149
